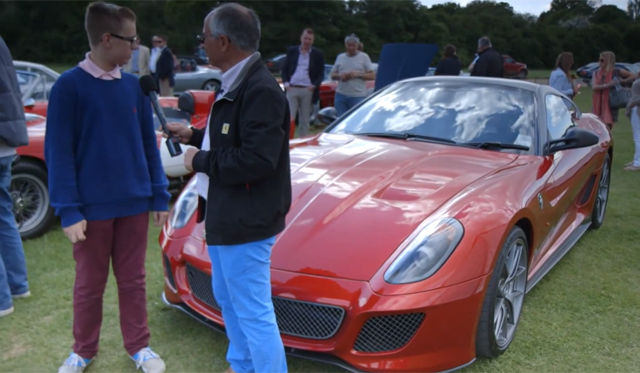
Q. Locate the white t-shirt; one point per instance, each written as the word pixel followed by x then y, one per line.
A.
pixel 359 62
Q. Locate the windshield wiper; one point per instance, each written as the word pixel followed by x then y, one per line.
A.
pixel 406 136
pixel 495 145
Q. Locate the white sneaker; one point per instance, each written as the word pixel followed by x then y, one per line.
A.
pixel 6 312
pixel 74 364
pixel 149 361
pixel 27 294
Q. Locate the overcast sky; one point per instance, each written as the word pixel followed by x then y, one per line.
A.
pixel 525 6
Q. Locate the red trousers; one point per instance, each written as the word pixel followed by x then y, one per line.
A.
pixel 123 241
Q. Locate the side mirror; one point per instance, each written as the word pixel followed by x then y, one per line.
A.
pixel 30 102
pixel 574 138
pixel 327 115
pixel 187 103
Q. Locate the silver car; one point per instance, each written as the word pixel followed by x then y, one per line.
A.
pixel 28 72
pixel 190 75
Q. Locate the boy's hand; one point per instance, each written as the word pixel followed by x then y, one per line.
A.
pixel 76 232
pixel 188 158
pixel 160 218
pixel 179 130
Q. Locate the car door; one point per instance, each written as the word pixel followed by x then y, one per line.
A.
pixel 509 66
pixel 570 173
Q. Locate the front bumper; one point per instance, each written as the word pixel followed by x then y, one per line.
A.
pixel 343 322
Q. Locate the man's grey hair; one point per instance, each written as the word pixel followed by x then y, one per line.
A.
pixel 240 24
pixel 484 42
pixel 351 39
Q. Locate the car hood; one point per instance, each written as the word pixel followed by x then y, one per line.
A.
pixel 355 199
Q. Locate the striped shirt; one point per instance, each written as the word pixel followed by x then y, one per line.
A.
pixel 359 62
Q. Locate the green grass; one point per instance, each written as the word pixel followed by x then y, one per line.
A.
pixel 583 317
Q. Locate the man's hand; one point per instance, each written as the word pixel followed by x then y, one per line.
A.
pixel 160 218
pixel 188 158
pixel 180 131
pixel 75 232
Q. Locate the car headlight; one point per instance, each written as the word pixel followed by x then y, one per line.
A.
pixel 426 253
pixel 185 207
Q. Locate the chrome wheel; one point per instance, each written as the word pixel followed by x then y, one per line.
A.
pixel 510 294
pixel 211 85
pixel 30 201
pixel 603 192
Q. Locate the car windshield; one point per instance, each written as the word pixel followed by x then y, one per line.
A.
pixel 454 112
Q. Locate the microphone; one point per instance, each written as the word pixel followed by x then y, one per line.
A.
pixel 149 88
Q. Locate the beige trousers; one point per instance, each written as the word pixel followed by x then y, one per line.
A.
pixel 300 103
pixel 165 88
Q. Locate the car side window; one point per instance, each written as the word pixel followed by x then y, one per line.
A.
pixel 558 117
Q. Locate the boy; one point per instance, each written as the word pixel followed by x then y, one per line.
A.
pixel 105 175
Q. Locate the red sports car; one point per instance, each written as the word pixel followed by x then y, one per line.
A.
pixel 419 221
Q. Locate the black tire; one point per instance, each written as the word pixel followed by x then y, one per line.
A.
pixel 602 195
pixel 522 74
pixel 211 82
pixel 30 193
pixel 487 344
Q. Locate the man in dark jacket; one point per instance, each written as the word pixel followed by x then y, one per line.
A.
pixel 302 75
pixel 13 133
pixel 165 68
pixel 489 62
pixel 244 174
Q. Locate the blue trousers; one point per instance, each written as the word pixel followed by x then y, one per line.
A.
pixel 13 266
pixel 344 103
pixel 242 288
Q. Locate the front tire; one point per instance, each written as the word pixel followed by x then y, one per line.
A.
pixel 30 196
pixel 602 195
pixel 504 298
pixel 211 85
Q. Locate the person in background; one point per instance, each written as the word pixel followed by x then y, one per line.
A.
pixel 352 69
pixel 105 175
pixel 450 64
pixel 490 62
pixel 165 67
pixel 633 112
pixel 604 78
pixel 155 53
pixel 302 75
pixel 560 78
pixel 139 62
pixel 473 63
pixel 360 47
pixel 13 134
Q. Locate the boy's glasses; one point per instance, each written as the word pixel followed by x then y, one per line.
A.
pixel 132 39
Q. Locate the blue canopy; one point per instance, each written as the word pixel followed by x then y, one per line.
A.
pixel 403 61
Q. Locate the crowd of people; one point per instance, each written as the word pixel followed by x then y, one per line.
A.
pixel 104 202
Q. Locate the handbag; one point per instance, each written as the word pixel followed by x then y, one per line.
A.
pixel 619 97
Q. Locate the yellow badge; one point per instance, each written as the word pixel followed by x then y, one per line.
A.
pixel 225 128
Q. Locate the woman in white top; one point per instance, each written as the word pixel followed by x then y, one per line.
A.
pixel 560 78
pixel 633 112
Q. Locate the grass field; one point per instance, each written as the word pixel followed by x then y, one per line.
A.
pixel 583 317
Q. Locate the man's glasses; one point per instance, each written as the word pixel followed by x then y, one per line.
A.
pixel 132 39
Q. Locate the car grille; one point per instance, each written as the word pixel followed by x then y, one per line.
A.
pixel 294 317
pixel 388 333
pixel 169 271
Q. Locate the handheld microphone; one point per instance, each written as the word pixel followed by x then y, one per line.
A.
pixel 149 87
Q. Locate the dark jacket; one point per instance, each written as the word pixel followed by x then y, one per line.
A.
pixel 489 64
pixel 248 165
pixel 164 66
pixel 13 127
pixel 316 68
pixel 449 66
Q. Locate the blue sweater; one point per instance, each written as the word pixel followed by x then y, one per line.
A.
pixel 101 149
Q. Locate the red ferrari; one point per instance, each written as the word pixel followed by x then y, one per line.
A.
pixel 420 219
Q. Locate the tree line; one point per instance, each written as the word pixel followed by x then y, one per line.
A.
pixel 52 31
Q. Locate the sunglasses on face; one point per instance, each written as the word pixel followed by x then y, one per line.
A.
pixel 132 39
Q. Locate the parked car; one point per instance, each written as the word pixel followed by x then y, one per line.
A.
pixel 29 186
pixel 513 68
pixel 586 72
pixel 275 64
pixel 28 72
pixel 191 76
pixel 418 224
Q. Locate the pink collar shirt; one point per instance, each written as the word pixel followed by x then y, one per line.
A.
pixel 89 66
